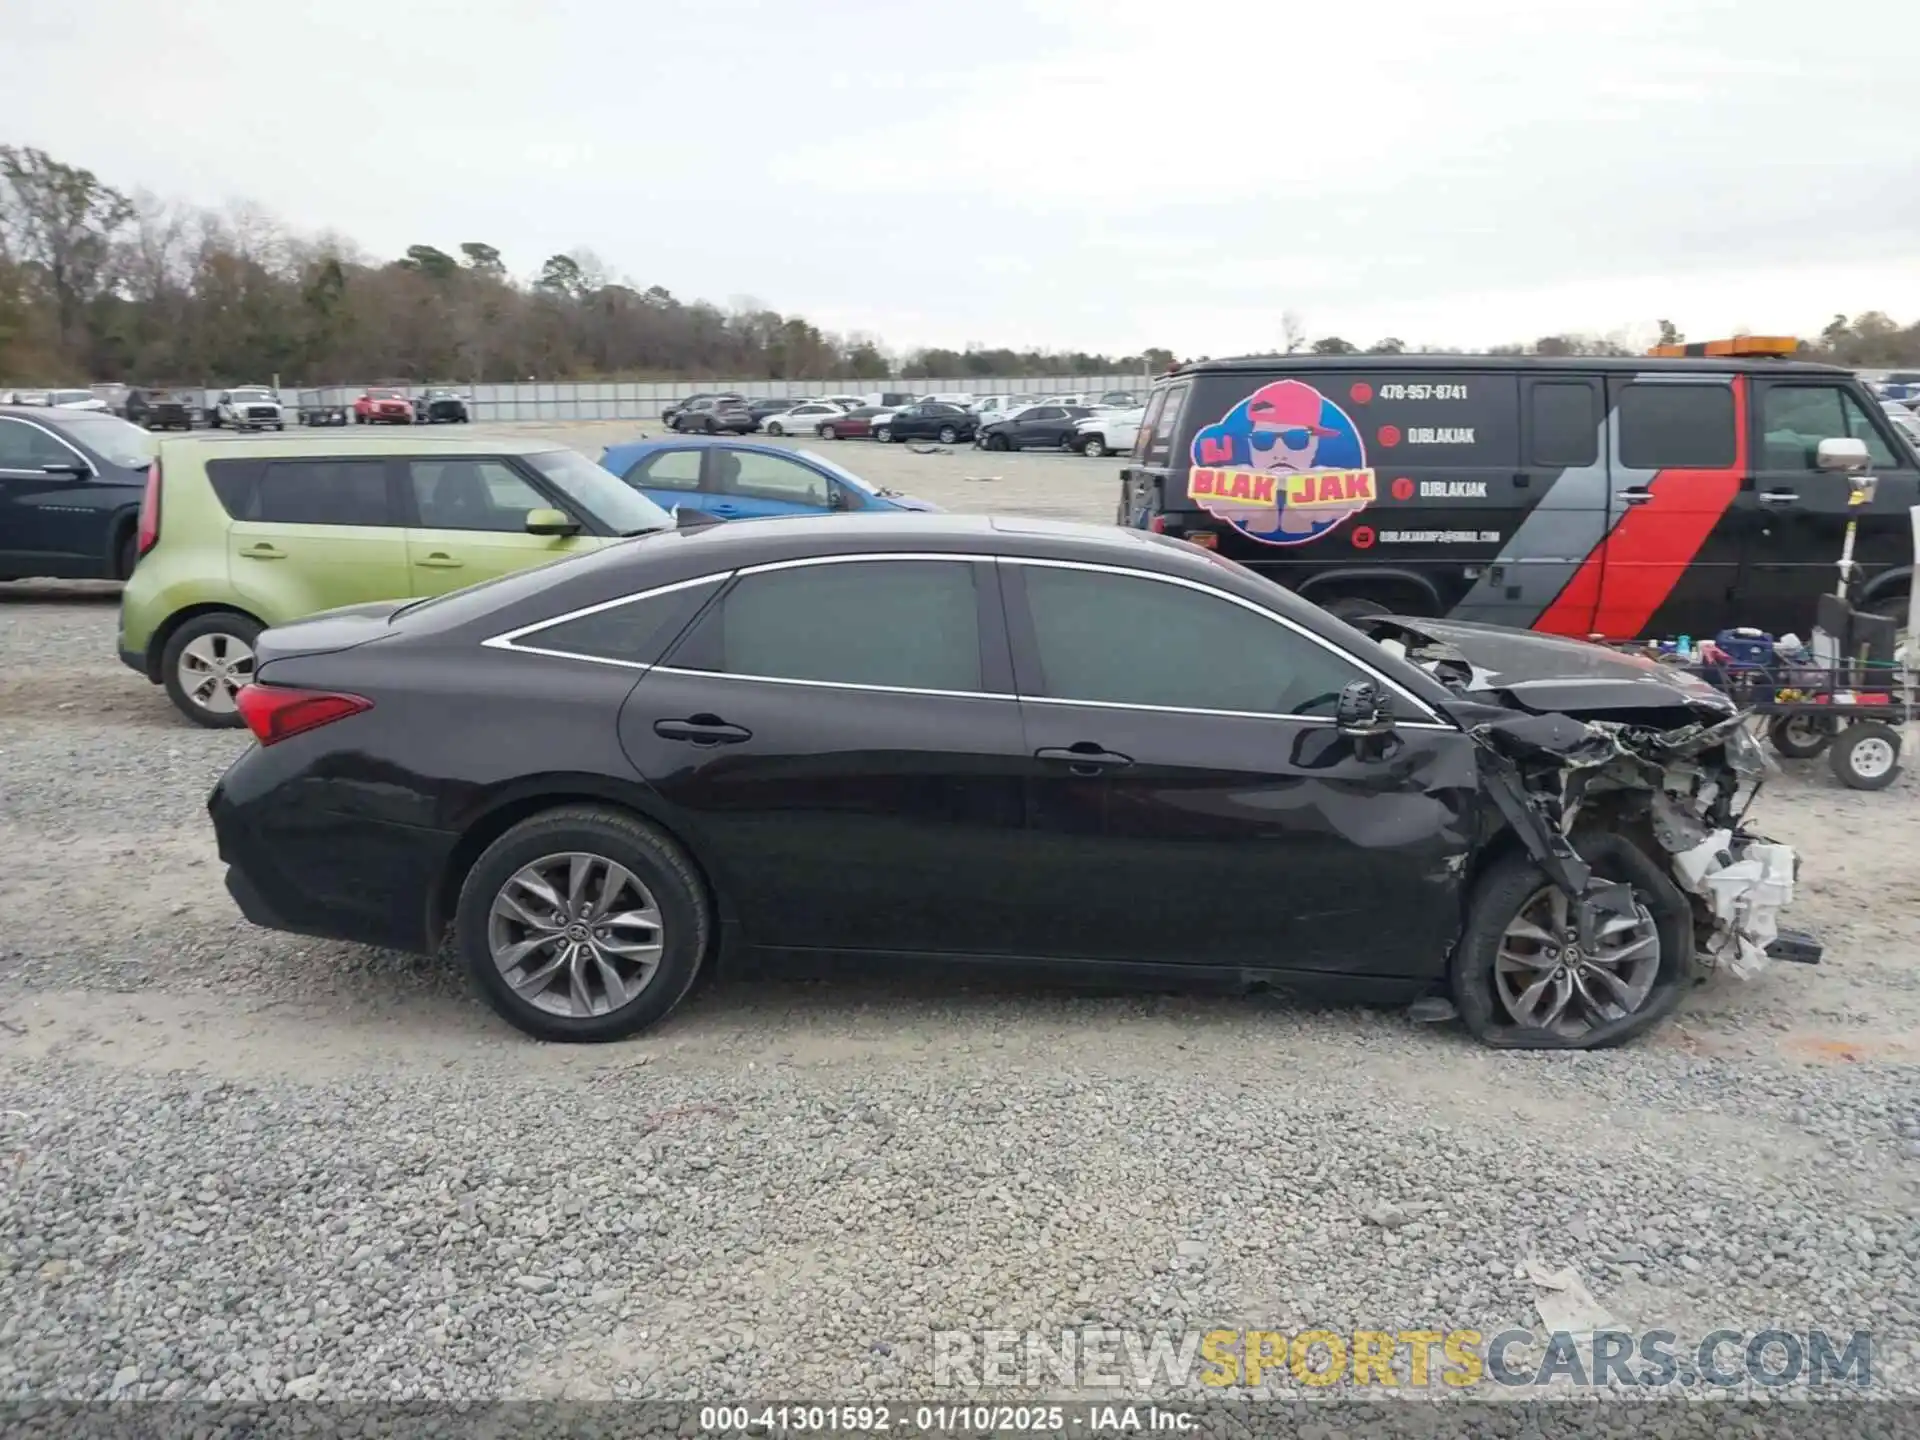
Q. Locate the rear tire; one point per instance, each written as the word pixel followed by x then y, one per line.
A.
pixel 774 429
pixel 827 432
pixel 948 435
pixel 126 556
pixel 996 442
pixel 884 435
pixel 488 928
pixel 1800 737
pixel 205 661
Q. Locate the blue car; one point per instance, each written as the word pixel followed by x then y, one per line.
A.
pixel 742 479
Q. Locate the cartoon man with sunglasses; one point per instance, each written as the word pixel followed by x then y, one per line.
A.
pixel 1282 430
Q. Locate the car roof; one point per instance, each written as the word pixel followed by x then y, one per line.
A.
pixel 700 442
pixel 1638 364
pixel 333 443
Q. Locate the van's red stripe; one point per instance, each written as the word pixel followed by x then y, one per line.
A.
pixel 1630 574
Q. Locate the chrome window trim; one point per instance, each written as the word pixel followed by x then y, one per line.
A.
pixel 508 640
pixel 93 471
pixel 1431 720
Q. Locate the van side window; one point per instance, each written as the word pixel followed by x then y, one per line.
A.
pixel 1666 426
pixel 1566 431
pixel 1163 424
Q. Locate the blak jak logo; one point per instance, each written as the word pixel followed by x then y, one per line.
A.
pixel 1285 465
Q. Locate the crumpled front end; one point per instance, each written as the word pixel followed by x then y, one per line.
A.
pixel 1680 794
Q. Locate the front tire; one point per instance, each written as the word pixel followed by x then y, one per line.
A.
pixel 1518 985
pixel 1866 755
pixel 884 435
pixel 1353 607
pixel 996 442
pixel 827 432
pixel 204 664
pixel 1093 447
pixel 582 924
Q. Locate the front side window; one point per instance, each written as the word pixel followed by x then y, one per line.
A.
pixel 311 492
pixel 1566 429
pixel 1676 426
pixel 1129 640
pixel 1794 419
pixel 897 624
pixel 28 447
pixel 755 476
pixel 471 495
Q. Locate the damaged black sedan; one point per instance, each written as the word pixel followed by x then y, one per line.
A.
pixel 919 740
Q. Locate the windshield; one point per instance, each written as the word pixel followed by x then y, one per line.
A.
pixel 113 439
pixel 383 395
pixel 600 493
pixel 68 397
pixel 252 394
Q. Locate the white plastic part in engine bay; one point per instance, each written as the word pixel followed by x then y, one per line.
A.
pixel 1745 892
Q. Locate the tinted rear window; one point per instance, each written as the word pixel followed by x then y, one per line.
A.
pixel 304 492
pixel 1676 426
pixel 1566 423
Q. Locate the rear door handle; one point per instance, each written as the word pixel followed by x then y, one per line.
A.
pixel 701 730
pixel 1779 497
pixel 724 508
pixel 1639 495
pixel 1084 757
pixel 440 560
pixel 264 551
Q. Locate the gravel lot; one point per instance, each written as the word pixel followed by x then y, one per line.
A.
pixel 243 1165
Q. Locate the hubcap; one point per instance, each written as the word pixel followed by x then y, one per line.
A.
pixel 212 669
pixel 1871 758
pixel 1547 981
pixel 576 935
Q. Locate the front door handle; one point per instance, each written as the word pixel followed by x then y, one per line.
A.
pixel 1779 497
pixel 1084 757
pixel 264 551
pixel 1638 495
pixel 440 560
pixel 724 508
pixel 701 730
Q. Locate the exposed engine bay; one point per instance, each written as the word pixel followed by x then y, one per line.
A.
pixel 1579 739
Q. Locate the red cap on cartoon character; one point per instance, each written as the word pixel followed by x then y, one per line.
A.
pixel 1286 405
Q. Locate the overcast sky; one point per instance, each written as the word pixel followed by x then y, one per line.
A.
pixel 1106 176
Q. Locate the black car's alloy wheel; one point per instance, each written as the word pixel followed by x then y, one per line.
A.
pixel 583 924
pixel 883 435
pixel 996 442
pixel 1522 979
pixel 948 435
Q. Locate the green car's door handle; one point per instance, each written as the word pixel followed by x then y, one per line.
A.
pixel 264 551
pixel 440 560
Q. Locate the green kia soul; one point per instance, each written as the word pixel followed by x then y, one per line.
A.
pixel 238 534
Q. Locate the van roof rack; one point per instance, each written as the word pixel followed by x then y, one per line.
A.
pixel 1739 347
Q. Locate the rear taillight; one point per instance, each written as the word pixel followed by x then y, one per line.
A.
pixel 150 510
pixel 277 712
pixel 1157 524
pixel 1205 539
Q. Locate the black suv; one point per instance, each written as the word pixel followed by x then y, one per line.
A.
pixel 714 416
pixel 928 420
pixel 70 489
pixel 708 397
pixel 1627 498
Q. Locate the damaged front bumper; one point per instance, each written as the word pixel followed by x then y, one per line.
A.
pixel 1674 792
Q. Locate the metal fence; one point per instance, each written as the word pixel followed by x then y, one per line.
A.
pixel 644 400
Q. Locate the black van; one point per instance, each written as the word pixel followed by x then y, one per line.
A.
pixel 1626 498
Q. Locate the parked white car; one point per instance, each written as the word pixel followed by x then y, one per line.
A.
pixel 1108 432
pixel 803 419
pixel 251 407
pixel 999 407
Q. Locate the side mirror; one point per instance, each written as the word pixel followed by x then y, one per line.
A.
pixel 551 522
pixel 838 499
pixel 68 470
pixel 1363 710
pixel 1842 454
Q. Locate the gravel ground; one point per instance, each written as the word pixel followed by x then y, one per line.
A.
pixel 241 1165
